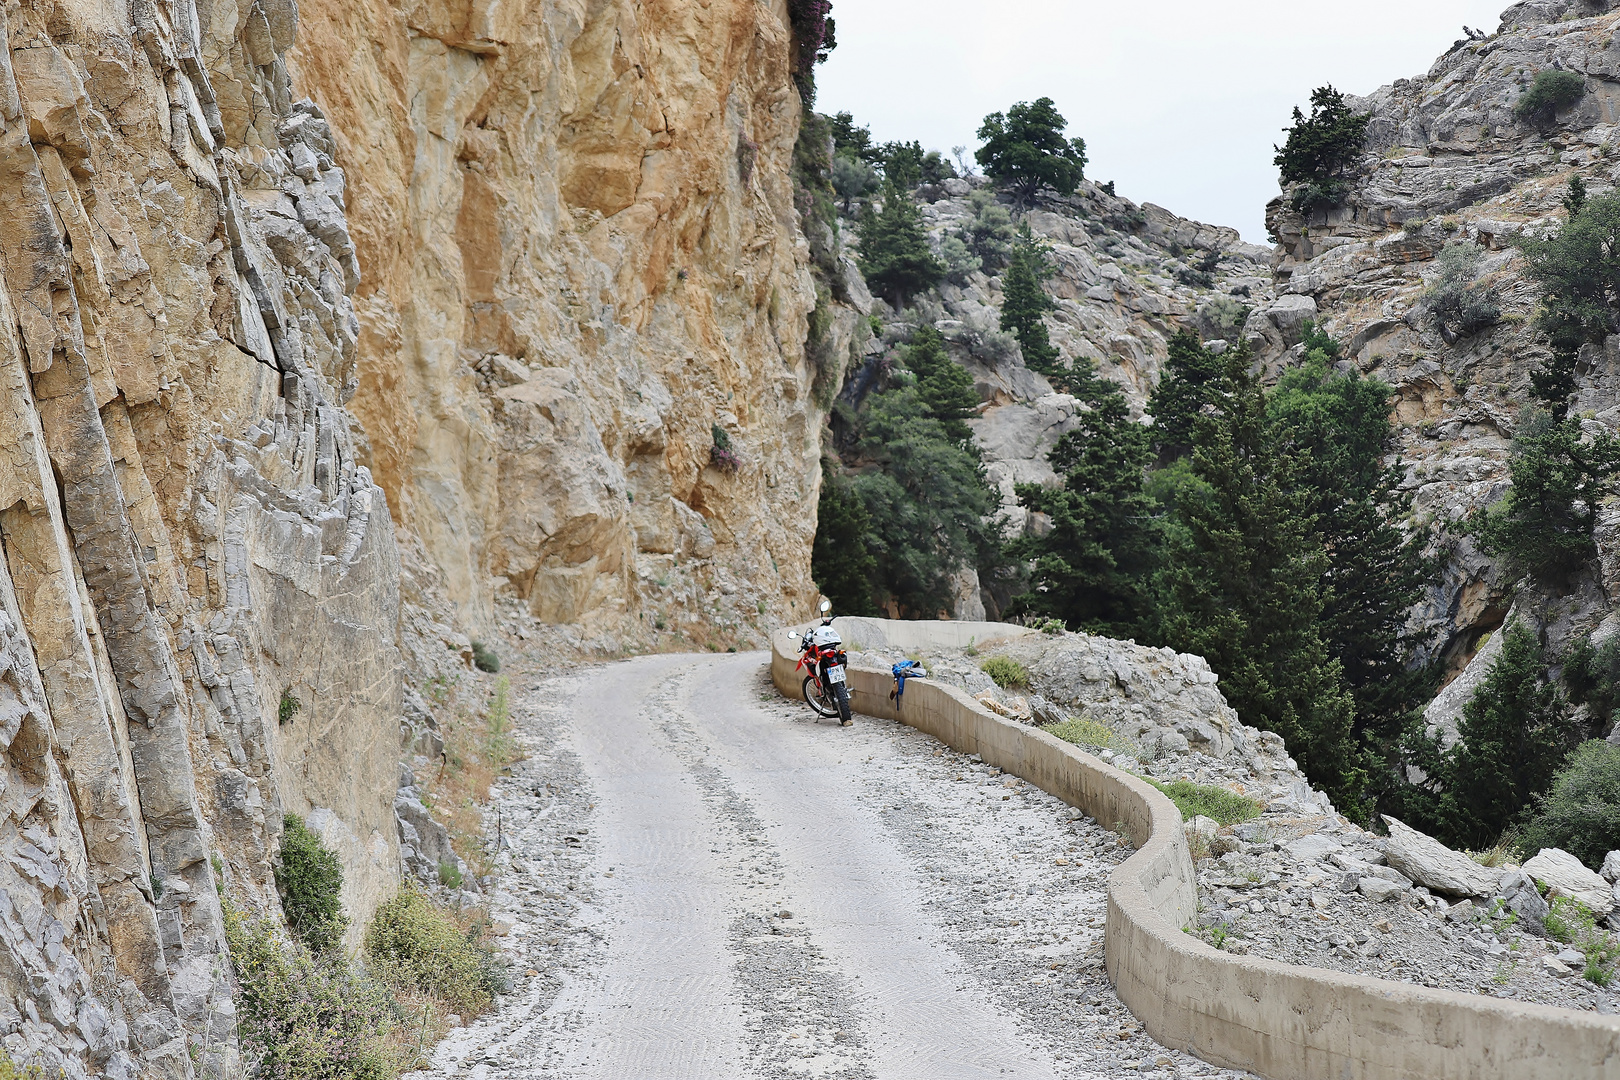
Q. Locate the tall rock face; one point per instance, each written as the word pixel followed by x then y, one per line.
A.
pixel 1449 162
pixel 579 257
pixel 199 583
pixel 536 269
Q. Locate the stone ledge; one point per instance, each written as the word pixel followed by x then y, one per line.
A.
pixel 1276 1020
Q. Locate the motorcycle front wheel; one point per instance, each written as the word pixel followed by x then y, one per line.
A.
pixel 841 692
pixel 818 699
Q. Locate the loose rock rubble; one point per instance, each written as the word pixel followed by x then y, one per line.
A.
pixel 1300 883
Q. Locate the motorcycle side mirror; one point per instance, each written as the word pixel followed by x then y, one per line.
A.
pixel 826 606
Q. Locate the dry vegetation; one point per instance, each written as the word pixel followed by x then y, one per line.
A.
pixel 475 720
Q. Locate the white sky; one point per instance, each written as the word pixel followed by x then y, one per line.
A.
pixel 1179 101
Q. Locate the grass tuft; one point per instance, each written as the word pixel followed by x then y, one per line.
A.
pixel 1224 806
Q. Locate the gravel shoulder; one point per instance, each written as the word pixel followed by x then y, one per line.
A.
pixel 700 880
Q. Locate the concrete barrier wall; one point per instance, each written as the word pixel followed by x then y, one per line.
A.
pixel 1277 1020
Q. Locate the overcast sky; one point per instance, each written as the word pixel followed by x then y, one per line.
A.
pixel 1179 101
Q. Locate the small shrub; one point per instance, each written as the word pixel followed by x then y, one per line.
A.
pixel 1224 806
pixel 300 1018
pixel 721 455
pixel 1084 731
pixel 1006 672
pixel 1051 626
pixel 412 943
pixel 450 874
pixel 484 658
pixel 1551 92
pixel 1581 811
pixel 1457 304
pixel 499 746
pixel 310 879
pixel 289 707
pixel 10 1070
pixel 1572 923
pixel 1567 919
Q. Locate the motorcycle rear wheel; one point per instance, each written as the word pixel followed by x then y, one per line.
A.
pixel 841 692
pixel 818 699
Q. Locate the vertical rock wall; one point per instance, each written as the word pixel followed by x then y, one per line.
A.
pixel 579 253
pixel 199 587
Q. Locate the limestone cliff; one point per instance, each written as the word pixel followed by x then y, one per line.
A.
pixel 199 589
pixel 518 263
pixel 579 254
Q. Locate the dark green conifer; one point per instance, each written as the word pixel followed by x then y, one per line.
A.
pixel 895 256
pixel 1246 591
pixel 944 385
pixel 1024 301
pixel 1092 569
pixel 841 562
pixel 1193 377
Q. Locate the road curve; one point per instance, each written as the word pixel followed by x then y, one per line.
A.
pixel 705 882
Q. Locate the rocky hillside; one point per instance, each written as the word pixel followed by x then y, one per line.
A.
pixel 1447 161
pixel 199 594
pixel 1128 276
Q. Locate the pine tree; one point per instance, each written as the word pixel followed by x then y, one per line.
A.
pixel 1320 148
pixel 1093 568
pixel 1246 591
pixel 945 387
pixel 1024 150
pixel 841 562
pixel 1337 428
pixel 926 497
pixel 895 257
pixel 1579 273
pixel 1560 476
pixel 1024 301
pixel 1513 735
pixel 1193 377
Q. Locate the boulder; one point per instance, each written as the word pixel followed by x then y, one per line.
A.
pixel 1379 889
pixel 1202 826
pixel 1564 874
pixel 1430 863
pixel 1519 895
pixel 1312 848
pixel 1611 867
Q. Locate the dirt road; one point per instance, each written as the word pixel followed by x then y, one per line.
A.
pixel 704 882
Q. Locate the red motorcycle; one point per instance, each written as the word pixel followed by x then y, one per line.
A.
pixel 821 653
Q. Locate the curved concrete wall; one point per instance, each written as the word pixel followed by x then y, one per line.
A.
pixel 1277 1020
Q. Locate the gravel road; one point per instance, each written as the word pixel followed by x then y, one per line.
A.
pixel 702 881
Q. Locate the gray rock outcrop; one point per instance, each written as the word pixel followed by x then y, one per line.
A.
pixel 1565 875
pixel 1431 864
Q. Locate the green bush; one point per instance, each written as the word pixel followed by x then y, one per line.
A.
pixel 310 879
pixel 1084 731
pixel 10 1070
pixel 413 943
pixel 1581 811
pixel 1226 807
pixel 303 1018
pixel 449 874
pixel 1552 91
pixel 484 658
pixel 1008 673
pixel 1572 923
